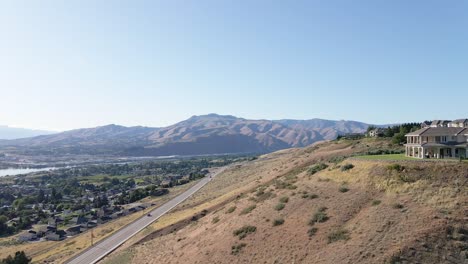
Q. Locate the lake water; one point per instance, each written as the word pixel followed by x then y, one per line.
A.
pixel 12 171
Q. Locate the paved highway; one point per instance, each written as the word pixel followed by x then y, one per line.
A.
pixel 104 247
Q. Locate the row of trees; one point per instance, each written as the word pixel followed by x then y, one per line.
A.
pixel 398 132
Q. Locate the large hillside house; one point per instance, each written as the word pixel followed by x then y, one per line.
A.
pixel 441 139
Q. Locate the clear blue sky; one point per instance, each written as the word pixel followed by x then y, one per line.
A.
pixel 71 64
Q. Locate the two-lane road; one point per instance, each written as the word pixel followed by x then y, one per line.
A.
pixel 104 247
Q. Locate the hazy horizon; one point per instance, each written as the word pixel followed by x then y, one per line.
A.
pixel 75 64
pixel 269 119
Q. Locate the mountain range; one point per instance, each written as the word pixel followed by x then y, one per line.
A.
pixel 205 134
pixel 7 132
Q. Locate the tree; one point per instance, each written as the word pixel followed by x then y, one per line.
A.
pixel 370 128
pixel 40 196
pixel 389 132
pixel 20 258
pixel 4 230
pixel 399 138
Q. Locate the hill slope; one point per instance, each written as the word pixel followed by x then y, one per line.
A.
pixel 273 210
pixel 7 132
pixel 207 134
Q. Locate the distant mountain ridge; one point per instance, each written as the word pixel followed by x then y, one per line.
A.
pixel 7 132
pixel 205 134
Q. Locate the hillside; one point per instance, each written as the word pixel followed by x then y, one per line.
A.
pixel 275 210
pixel 7 132
pixel 207 134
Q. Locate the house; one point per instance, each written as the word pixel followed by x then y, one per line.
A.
pixel 103 219
pixel 56 236
pixel 91 224
pixel 55 221
pixel 74 230
pixel 26 236
pixel 79 220
pixel 459 123
pixel 439 141
pixel 378 132
pixel 166 184
pixel 426 124
pixel 440 123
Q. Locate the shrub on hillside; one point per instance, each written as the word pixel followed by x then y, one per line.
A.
pixel 278 222
pixel 319 216
pixel 343 189
pixel 336 159
pixel 312 231
pixel 395 167
pixel 244 231
pixel 284 199
pixel 340 234
pixel 279 206
pixel 316 168
pixel 248 209
pixel 384 151
pixel 230 209
pixel 347 167
pixel 236 249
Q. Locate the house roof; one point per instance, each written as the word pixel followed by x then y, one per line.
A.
pixel 438 131
pixel 437 122
pixel 460 120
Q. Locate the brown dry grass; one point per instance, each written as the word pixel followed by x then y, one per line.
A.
pixel 432 197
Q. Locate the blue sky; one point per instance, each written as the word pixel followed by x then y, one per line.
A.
pixel 71 64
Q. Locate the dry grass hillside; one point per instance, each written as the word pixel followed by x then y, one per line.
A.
pixel 317 205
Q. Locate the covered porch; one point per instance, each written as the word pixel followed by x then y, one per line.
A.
pixel 436 152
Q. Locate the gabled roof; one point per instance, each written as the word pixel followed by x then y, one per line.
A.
pixel 417 132
pixel 439 122
pixel 438 131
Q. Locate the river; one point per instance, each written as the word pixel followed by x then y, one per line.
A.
pixel 15 171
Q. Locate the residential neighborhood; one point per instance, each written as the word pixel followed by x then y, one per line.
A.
pixel 54 205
